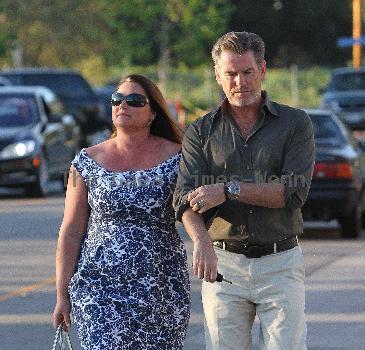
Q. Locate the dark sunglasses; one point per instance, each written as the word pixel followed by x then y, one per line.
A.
pixel 133 100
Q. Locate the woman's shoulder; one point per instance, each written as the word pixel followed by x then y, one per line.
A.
pixel 84 161
pixel 97 151
pixel 170 147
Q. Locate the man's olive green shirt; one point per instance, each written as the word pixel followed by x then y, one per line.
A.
pixel 280 148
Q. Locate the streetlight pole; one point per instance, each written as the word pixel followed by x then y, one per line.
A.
pixel 356 33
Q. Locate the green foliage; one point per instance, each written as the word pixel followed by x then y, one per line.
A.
pixel 142 31
pixel 56 33
pixel 199 92
pixel 202 21
pixel 6 35
pixel 297 32
pixel 310 82
pixel 195 87
pixel 171 32
pixel 170 41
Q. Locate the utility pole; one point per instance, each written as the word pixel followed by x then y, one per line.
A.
pixel 294 85
pixel 163 63
pixel 356 33
pixel 17 54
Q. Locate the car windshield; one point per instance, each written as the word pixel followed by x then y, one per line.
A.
pixel 16 110
pixel 64 85
pixel 326 130
pixel 348 81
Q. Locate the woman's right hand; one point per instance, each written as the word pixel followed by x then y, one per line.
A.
pixel 61 314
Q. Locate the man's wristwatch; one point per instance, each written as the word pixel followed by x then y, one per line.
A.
pixel 232 190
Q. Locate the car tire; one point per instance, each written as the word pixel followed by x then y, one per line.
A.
pixel 40 187
pixel 351 226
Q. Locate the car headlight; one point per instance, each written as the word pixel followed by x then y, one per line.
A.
pixel 18 150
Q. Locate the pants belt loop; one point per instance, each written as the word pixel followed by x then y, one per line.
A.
pixel 224 245
pixel 275 248
pixel 296 237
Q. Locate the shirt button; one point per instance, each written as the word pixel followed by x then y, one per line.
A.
pixel 245 145
pixel 251 211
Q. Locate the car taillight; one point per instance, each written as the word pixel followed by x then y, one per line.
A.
pixel 324 170
pixel 36 162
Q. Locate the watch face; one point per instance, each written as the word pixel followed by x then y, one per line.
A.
pixel 233 189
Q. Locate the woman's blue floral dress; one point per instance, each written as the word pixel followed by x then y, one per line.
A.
pixel 131 288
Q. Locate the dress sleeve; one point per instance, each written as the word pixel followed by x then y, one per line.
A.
pixel 80 163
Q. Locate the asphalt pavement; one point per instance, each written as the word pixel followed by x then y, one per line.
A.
pixel 335 283
pixel 335 298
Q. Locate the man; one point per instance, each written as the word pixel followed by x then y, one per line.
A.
pixel 245 173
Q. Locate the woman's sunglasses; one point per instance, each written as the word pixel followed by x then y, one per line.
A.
pixel 133 100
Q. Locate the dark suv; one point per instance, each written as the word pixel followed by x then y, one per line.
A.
pixel 345 96
pixel 73 90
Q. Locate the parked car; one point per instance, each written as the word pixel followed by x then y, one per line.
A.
pixel 345 96
pixel 104 94
pixel 37 142
pixel 74 91
pixel 337 190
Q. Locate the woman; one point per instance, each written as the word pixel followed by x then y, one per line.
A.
pixel 120 261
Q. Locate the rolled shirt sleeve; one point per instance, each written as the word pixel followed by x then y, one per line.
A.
pixel 280 149
pixel 192 165
pixel 298 163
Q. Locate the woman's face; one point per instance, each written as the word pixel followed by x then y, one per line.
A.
pixel 129 117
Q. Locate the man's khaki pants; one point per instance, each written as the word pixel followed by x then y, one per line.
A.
pixel 271 287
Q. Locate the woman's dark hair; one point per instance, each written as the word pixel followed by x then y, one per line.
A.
pixel 163 125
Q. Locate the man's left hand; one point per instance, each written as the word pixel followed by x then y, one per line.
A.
pixel 206 197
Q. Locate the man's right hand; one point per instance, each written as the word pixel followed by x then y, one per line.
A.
pixel 205 260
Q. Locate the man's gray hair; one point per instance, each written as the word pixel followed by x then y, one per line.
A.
pixel 239 43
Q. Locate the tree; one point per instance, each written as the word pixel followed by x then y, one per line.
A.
pixel 143 31
pixel 302 32
pixel 56 33
pixel 5 34
pixel 67 33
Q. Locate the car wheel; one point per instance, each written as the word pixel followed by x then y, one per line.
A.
pixel 351 226
pixel 41 186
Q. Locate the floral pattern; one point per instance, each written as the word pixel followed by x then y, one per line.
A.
pixel 131 288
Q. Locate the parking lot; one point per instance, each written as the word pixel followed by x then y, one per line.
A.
pixel 28 228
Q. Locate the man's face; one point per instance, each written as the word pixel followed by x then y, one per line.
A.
pixel 240 77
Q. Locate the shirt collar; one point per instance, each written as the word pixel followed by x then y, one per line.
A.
pixel 267 105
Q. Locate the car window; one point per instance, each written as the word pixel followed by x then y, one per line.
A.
pixel 17 111
pixel 64 85
pixel 14 79
pixel 326 130
pixel 348 81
